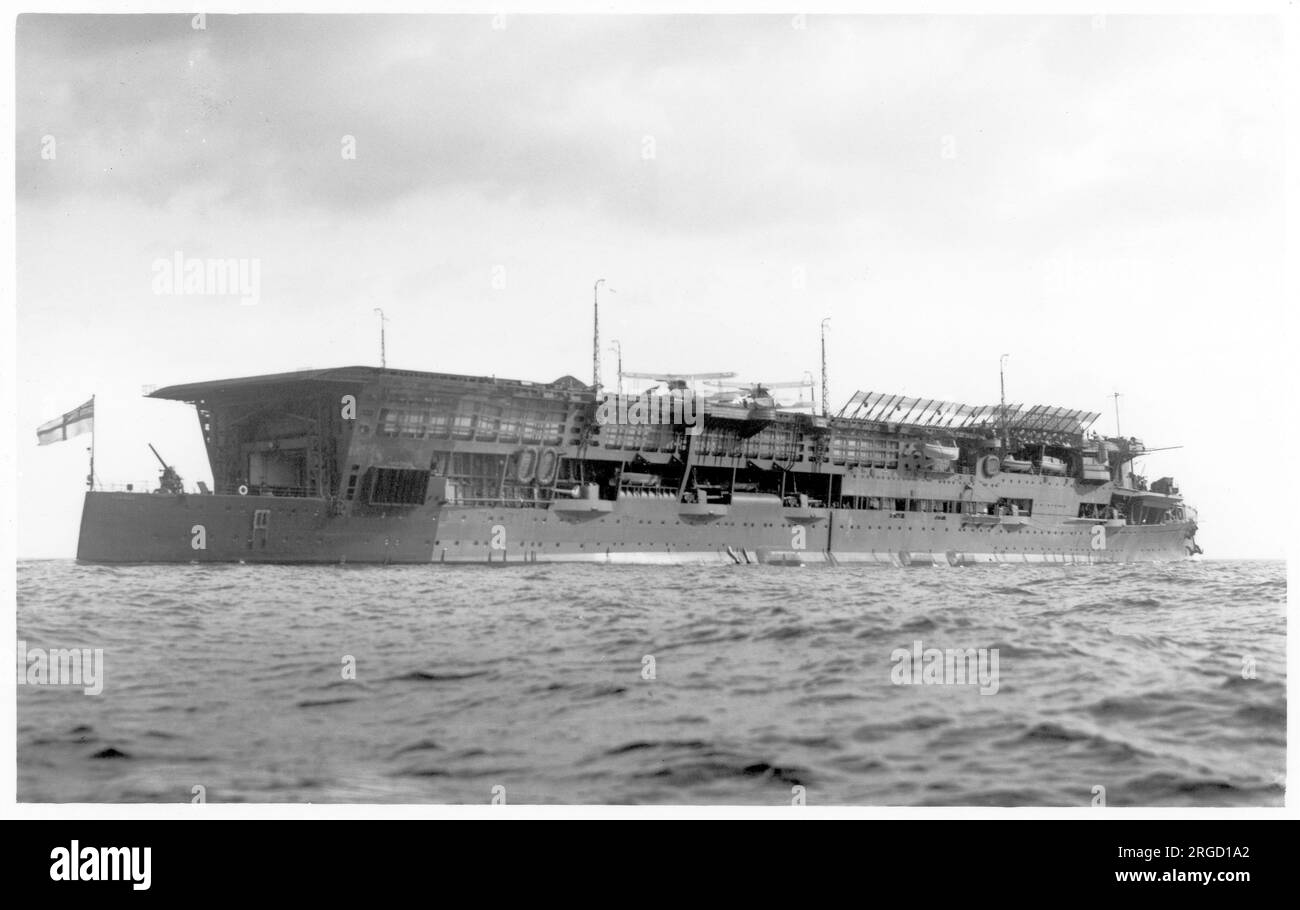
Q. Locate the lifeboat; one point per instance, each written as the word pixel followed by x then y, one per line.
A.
pixel 1049 465
pixel 546 466
pixel 939 452
pixel 1017 465
pixel 525 465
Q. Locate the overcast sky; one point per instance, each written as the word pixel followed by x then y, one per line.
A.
pixel 1099 198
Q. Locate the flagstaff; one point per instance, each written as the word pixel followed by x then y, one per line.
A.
pixel 90 478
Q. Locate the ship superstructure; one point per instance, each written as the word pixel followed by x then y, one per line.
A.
pixel 364 464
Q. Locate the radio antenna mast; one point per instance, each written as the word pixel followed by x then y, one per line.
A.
pixel 595 335
pixel 826 394
pixel 1002 381
pixel 383 345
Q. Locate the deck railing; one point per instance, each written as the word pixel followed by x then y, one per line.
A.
pixel 144 486
pixel 151 486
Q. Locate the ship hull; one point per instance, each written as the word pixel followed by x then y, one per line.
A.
pixel 142 528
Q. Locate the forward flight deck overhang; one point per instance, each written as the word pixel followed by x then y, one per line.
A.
pixel 353 376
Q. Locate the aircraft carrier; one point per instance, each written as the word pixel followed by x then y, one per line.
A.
pixel 373 465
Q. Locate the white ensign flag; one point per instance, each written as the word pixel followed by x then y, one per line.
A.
pixel 73 423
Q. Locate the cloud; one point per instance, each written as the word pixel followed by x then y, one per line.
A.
pixel 706 123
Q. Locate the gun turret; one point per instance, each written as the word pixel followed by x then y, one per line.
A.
pixel 168 480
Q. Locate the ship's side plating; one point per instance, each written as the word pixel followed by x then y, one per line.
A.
pixel 360 464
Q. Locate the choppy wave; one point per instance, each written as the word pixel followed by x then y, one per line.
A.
pixel 1162 684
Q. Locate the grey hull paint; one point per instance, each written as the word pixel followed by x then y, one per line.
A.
pixel 143 528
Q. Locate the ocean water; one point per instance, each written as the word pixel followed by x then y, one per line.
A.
pixel 1163 684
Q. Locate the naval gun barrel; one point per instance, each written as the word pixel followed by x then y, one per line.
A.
pixel 166 466
pixel 168 480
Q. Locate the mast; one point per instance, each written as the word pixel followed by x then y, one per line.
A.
pixel 618 349
pixel 1115 395
pixel 595 335
pixel 1002 380
pixel 383 346
pixel 826 395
